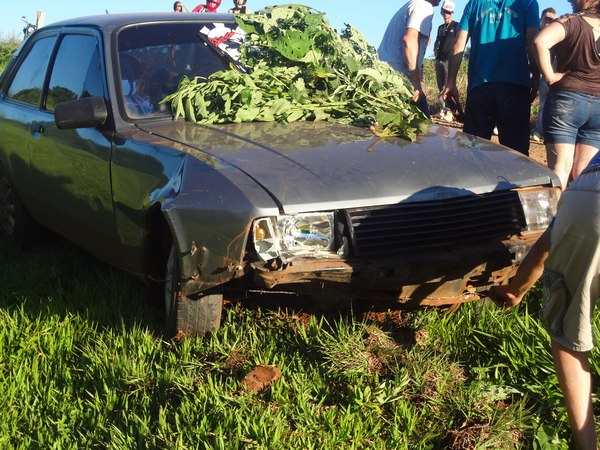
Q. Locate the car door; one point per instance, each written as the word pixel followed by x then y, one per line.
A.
pixel 20 103
pixel 70 169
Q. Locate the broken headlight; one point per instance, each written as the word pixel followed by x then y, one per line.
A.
pixel 309 234
pixel 539 206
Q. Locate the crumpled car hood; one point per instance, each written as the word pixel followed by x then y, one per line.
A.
pixel 311 166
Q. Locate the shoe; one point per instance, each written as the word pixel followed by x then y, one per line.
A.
pixel 448 116
pixel 495 131
pixel 439 115
pixel 536 136
pixel 457 112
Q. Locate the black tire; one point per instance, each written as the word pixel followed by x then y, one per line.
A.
pixel 16 224
pixel 188 317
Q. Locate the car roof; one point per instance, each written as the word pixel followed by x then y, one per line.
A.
pixel 110 22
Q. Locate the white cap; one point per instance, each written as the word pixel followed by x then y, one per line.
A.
pixel 448 5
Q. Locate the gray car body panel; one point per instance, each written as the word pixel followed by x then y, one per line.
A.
pixel 345 166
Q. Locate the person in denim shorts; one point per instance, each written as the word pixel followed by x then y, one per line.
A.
pixel 572 111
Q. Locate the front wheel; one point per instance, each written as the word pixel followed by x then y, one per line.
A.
pixel 185 316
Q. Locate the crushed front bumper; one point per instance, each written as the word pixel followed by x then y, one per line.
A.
pixel 434 277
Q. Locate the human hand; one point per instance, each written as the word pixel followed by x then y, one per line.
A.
pixel 450 91
pixel 503 296
pixel 555 77
pixel 417 94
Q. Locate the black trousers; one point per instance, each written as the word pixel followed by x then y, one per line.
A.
pixel 503 105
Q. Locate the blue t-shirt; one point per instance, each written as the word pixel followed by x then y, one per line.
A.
pixel 497 30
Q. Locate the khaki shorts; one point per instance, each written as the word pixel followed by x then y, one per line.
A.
pixel 571 277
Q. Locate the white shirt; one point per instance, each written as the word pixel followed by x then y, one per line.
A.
pixel 416 14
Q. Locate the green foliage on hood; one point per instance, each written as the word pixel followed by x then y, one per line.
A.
pixel 299 68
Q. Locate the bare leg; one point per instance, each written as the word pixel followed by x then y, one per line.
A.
pixel 528 273
pixel 560 161
pixel 573 370
pixel 583 154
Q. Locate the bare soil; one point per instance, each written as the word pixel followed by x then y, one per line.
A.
pixel 538 152
pixel 260 378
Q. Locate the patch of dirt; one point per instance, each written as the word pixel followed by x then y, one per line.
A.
pixel 235 360
pixel 260 378
pixel 537 150
pixel 396 318
pixel 471 433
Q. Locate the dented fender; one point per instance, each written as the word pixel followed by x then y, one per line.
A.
pixel 210 228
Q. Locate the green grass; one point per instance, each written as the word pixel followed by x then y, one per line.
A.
pixel 84 365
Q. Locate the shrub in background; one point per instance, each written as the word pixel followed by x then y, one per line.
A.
pixel 8 46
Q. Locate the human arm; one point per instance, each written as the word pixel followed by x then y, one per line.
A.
pixel 410 47
pixel 543 42
pixel 531 33
pixel 528 273
pixel 454 64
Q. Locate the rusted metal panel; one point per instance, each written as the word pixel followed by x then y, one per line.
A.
pixel 447 276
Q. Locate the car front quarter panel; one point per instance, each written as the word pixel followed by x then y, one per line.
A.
pixel 210 220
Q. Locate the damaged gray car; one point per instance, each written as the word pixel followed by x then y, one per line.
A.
pixel 88 149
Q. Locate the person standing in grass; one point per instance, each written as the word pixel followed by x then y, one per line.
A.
pixel 404 43
pixel 572 110
pixel 500 89
pixel 442 47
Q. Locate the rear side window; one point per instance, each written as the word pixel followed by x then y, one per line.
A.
pixel 27 83
pixel 77 70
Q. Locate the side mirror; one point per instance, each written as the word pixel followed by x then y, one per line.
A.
pixel 88 112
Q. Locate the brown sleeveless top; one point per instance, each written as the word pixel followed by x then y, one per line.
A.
pixel 580 54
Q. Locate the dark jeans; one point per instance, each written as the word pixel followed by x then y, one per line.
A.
pixel 503 105
pixel 441 76
pixel 441 73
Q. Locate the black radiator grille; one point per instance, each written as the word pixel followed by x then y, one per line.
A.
pixel 420 225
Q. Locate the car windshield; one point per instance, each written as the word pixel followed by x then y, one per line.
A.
pixel 154 57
